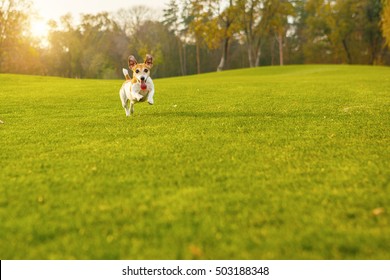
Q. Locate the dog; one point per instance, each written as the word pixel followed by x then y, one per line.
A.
pixel 139 88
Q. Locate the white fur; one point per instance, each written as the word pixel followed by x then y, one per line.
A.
pixel 131 93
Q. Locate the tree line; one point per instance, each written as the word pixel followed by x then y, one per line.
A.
pixel 195 36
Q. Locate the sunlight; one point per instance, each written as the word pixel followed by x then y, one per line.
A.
pixel 39 29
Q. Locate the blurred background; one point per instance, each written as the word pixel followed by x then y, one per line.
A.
pixel 92 39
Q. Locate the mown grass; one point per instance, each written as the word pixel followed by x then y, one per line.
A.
pixel 267 163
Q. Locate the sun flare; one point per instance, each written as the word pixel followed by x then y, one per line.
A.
pixel 39 29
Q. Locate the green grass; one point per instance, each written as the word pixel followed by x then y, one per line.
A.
pixel 268 163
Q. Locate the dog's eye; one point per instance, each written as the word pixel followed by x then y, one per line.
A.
pixel 137 71
pixel 146 70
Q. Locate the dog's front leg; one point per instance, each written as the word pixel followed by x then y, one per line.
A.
pixel 126 106
pixel 150 97
pixel 131 107
pixel 136 94
pixel 125 101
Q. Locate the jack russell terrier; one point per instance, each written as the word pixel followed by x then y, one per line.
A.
pixel 140 87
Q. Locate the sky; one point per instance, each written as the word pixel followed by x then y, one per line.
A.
pixel 54 9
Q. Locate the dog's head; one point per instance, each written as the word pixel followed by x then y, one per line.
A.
pixel 141 71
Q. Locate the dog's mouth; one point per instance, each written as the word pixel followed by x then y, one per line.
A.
pixel 143 84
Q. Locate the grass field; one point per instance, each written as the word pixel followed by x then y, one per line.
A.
pixel 268 163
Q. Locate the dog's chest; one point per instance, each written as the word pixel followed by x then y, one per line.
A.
pixel 144 92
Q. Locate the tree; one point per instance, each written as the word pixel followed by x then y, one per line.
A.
pixel 350 30
pixel 372 31
pixel 197 17
pixel 204 23
pixel 230 26
pixel 130 19
pixel 199 35
pixel 316 44
pixel 257 18
pixel 277 12
pixel 154 37
pixel 93 49
pixel 17 54
pixel 344 20
pixel 385 22
pixel 65 52
pixel 250 19
pixel 99 52
pixel 172 20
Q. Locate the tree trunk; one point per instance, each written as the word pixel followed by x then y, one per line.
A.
pixel 225 51
pixel 250 54
pixel 280 41
pixel 374 50
pixel 258 52
pixel 258 57
pixel 224 57
pixel 180 56
pixel 184 59
pixel 221 64
pixel 349 58
pixel 198 56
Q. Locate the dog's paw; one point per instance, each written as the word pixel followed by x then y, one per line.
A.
pixel 139 97
pixel 150 101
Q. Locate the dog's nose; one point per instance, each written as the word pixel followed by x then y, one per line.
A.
pixel 142 78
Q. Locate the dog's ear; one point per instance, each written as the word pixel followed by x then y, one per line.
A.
pixel 132 61
pixel 149 60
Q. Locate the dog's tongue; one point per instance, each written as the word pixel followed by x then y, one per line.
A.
pixel 143 85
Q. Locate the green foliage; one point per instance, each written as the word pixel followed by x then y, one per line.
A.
pixel 386 22
pixel 267 163
pixel 253 25
pixel 197 36
pixel 343 31
pixel 13 46
pixel 96 48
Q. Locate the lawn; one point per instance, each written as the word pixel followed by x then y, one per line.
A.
pixel 269 163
